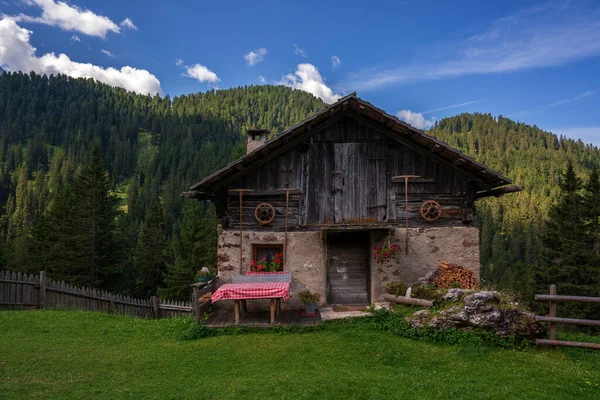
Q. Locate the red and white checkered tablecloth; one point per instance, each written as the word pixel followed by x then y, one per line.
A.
pixel 265 273
pixel 242 291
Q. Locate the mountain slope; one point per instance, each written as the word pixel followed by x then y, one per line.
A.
pixel 154 148
pixel 510 226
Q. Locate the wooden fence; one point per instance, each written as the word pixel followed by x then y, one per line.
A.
pixel 22 290
pixel 552 319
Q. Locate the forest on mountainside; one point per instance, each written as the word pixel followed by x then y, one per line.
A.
pixel 57 135
pixel 511 227
pixel 75 153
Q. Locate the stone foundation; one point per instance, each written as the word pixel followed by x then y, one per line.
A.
pixel 427 248
pixel 306 257
pixel 305 261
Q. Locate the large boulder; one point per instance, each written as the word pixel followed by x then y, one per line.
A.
pixel 490 311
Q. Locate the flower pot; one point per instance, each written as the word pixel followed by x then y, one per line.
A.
pixel 310 308
pixel 205 278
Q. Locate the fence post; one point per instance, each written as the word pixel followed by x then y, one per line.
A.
pixel 155 308
pixel 195 303
pixel 552 313
pixel 111 303
pixel 43 289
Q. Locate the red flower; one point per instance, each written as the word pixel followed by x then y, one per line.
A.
pixel 252 263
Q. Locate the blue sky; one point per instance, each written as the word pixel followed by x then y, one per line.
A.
pixel 537 62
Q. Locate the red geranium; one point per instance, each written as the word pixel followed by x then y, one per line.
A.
pixel 383 254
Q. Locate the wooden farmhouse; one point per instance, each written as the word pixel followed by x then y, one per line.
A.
pixel 326 191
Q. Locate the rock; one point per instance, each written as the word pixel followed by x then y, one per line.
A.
pixel 455 294
pixel 421 313
pixel 382 305
pixel 481 301
pixel 490 311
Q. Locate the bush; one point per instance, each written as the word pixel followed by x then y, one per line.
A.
pixel 307 297
pixel 396 288
pixel 427 293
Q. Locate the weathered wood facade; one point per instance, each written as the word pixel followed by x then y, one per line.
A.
pixel 344 175
pixel 341 165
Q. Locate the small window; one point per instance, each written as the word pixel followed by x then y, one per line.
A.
pixel 268 256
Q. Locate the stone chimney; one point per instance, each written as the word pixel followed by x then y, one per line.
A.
pixel 256 138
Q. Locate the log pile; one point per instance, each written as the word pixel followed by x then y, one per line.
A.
pixel 452 275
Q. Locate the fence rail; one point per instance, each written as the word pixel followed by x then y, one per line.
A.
pixel 37 291
pixel 552 319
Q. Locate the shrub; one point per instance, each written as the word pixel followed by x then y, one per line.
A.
pixel 427 293
pixel 396 288
pixel 306 296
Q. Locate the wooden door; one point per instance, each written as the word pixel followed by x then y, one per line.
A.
pixel 348 268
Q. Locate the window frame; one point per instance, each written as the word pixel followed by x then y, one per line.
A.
pixel 256 246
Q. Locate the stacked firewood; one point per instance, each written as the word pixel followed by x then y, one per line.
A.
pixel 453 275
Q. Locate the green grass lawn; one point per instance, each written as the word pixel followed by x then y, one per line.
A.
pixel 66 354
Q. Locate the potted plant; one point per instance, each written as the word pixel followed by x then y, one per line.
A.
pixel 386 252
pixel 263 266
pixel 310 301
pixel 204 275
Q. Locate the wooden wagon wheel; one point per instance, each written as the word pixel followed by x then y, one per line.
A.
pixel 431 210
pixel 264 213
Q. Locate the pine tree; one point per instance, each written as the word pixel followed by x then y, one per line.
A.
pixel 150 259
pixel 194 248
pixel 77 241
pixel 568 256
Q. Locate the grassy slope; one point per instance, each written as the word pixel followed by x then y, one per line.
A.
pixel 60 354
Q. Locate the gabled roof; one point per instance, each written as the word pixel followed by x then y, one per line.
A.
pixel 485 178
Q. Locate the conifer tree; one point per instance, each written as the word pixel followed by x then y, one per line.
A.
pixel 150 259
pixel 568 256
pixel 195 247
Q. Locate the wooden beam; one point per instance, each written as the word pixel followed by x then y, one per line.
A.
pixel 436 148
pixel 565 343
pixel 459 161
pixel 408 300
pixel 568 321
pixel 499 192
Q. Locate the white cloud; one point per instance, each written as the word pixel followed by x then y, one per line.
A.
pixel 201 73
pixel 262 79
pixel 70 18
pixel 550 35
pixel 75 38
pixel 580 96
pixel 19 55
pixel 308 78
pixel 415 119
pixel 107 53
pixel 179 62
pixel 256 56
pixel 588 134
pixel 299 52
pixel 335 62
pixel 128 23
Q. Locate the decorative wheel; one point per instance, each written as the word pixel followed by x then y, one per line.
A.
pixel 264 213
pixel 431 210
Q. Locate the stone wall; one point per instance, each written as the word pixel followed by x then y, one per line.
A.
pixel 307 254
pixel 427 248
pixel 305 260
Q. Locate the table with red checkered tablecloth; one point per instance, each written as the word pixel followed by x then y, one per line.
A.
pixel 240 292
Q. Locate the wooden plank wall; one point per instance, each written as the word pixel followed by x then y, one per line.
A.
pixel 19 290
pixel 251 200
pixel 452 209
pixel 345 173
